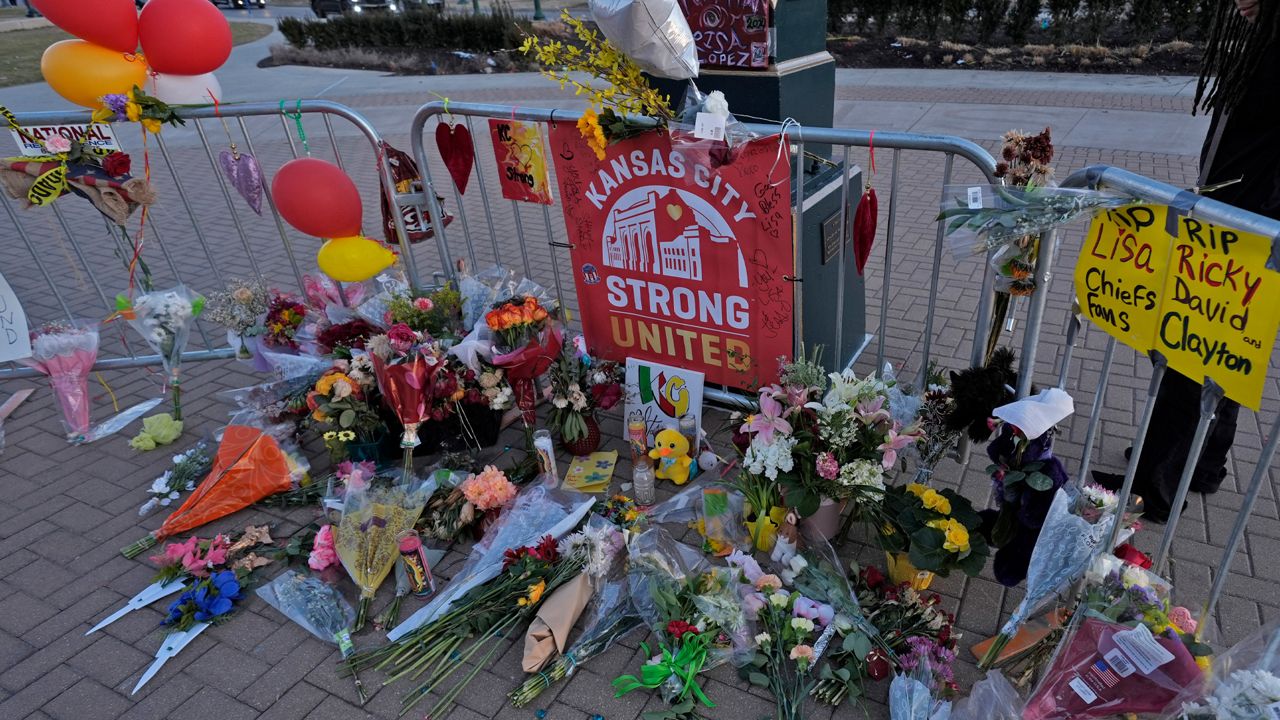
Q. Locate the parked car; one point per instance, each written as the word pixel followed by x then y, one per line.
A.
pixel 241 4
pixel 323 8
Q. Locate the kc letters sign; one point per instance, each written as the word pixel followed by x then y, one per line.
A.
pixel 1200 294
pixel 677 261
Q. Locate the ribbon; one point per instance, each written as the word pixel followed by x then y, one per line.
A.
pixel 684 666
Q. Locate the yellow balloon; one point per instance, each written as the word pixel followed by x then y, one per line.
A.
pixel 353 259
pixel 83 72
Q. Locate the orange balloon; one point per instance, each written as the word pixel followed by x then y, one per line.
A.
pixel 83 72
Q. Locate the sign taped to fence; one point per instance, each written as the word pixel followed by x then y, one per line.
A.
pixel 96 135
pixel 15 340
pixel 1199 293
pixel 676 262
pixel 521 151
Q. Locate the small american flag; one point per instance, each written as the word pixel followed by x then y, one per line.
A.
pixel 1106 674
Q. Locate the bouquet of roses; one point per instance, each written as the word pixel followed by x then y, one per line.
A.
pixel 469 631
pixel 242 310
pixel 66 354
pixel 163 319
pixel 610 613
pixel 936 529
pixel 527 340
pixel 1128 649
pixel 340 339
pixel 695 611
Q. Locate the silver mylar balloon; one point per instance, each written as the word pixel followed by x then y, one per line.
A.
pixel 654 33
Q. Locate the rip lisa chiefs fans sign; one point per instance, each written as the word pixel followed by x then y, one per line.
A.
pixel 677 261
pixel 1198 293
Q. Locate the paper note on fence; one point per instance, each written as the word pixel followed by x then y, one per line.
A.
pixel 15 338
pixel 1198 293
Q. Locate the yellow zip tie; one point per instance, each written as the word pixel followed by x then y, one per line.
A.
pixel 114 403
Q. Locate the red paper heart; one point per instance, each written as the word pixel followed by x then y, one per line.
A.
pixel 459 155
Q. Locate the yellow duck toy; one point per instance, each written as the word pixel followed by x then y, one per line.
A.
pixel 671 450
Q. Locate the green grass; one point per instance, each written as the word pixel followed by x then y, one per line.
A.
pixel 20 61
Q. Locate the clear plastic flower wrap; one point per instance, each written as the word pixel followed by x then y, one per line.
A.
pixel 315 605
pixel 911 696
pixel 978 218
pixel 711 151
pixel 992 698
pixel 538 511
pixel 65 353
pixel 1066 547
pixel 164 318
pixel 683 507
pixel 493 285
pixel 1243 682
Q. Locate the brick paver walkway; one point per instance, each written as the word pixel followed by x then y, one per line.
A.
pixel 67 510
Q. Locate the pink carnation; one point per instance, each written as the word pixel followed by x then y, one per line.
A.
pixel 1181 619
pixel 424 304
pixel 768 582
pixel 323 552
pixel 802 652
pixel 488 490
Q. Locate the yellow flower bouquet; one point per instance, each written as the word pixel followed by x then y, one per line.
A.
pixel 937 529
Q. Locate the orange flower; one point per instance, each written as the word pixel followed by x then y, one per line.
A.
pixel 539 315
pixel 493 319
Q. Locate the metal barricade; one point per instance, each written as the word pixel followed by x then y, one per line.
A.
pixel 484 230
pixel 1207 210
pixel 204 233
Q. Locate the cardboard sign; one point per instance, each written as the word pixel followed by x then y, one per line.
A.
pixel 15 337
pixel 678 262
pixel 1198 293
pixel 661 395
pixel 97 136
pixel 521 151
pixel 729 33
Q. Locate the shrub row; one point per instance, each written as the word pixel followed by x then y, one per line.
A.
pixel 483 32
pixel 1083 21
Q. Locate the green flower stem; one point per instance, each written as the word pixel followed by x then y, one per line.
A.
pixel 175 386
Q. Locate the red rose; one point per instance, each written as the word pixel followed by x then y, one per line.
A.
pixel 678 628
pixel 116 164
pixel 878 667
pixel 872 577
pixel 402 337
pixel 1133 556
pixel 607 395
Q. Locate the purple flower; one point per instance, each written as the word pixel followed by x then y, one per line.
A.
pixel 117 103
pixel 747 564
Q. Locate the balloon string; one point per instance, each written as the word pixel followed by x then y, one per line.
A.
pixel 217 112
pixel 142 220
pixel 114 403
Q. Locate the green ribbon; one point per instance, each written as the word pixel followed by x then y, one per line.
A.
pixel 683 665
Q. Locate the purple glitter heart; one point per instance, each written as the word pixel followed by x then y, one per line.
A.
pixel 245 176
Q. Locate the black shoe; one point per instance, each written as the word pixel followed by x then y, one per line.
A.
pixel 1208 487
pixel 1110 481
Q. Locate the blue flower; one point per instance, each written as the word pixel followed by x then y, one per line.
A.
pixel 226 584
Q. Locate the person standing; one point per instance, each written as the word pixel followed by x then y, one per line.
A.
pixel 1240 85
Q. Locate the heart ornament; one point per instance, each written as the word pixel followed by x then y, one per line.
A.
pixel 244 174
pixel 457 152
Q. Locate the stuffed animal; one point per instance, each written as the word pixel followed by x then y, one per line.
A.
pixel 671 450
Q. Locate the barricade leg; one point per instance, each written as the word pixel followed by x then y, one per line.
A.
pixel 1210 395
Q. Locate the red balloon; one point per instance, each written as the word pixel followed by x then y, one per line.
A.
pixel 110 23
pixel 184 37
pixel 317 197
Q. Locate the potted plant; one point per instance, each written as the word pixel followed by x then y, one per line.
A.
pixel 580 385
pixel 929 532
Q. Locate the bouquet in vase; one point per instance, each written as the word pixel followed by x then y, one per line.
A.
pixel 66 354
pixel 342 401
pixel 163 319
pixel 241 309
pixel 581 385
pixel 526 341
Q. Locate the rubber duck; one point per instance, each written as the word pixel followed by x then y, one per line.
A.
pixel 671 451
